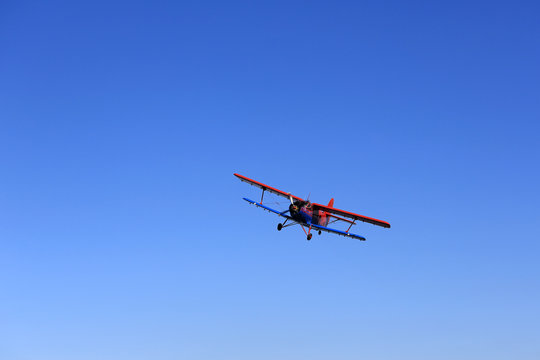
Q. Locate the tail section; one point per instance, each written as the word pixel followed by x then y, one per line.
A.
pixel 325 216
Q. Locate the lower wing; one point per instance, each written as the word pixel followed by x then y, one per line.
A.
pixel 317 227
pixel 282 213
pixel 339 232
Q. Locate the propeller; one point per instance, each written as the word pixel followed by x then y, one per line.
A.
pixel 293 207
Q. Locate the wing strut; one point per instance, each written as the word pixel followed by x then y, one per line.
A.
pixel 350 226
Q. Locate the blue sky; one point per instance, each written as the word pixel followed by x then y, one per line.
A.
pixel 122 230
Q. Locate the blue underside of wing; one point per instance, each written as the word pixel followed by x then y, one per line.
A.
pixel 339 232
pixel 280 213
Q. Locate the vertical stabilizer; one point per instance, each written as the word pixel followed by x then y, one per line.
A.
pixel 325 217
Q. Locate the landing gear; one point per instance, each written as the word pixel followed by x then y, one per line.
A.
pixel 320 232
pixel 279 226
pixel 309 236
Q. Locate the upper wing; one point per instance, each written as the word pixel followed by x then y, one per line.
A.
pixel 342 219
pixel 351 215
pixel 266 187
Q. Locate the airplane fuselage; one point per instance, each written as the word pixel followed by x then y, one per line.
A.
pixel 304 214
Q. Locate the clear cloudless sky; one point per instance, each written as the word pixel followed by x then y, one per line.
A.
pixel 123 234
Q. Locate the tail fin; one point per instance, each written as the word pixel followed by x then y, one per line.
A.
pixel 325 216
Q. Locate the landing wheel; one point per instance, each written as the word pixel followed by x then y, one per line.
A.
pixel 279 226
pixel 320 232
pixel 309 236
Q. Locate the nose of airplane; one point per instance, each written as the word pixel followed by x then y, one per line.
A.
pixel 293 208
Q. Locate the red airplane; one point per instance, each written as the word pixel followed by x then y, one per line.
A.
pixel 310 216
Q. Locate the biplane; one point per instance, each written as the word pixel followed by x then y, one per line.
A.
pixel 310 216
